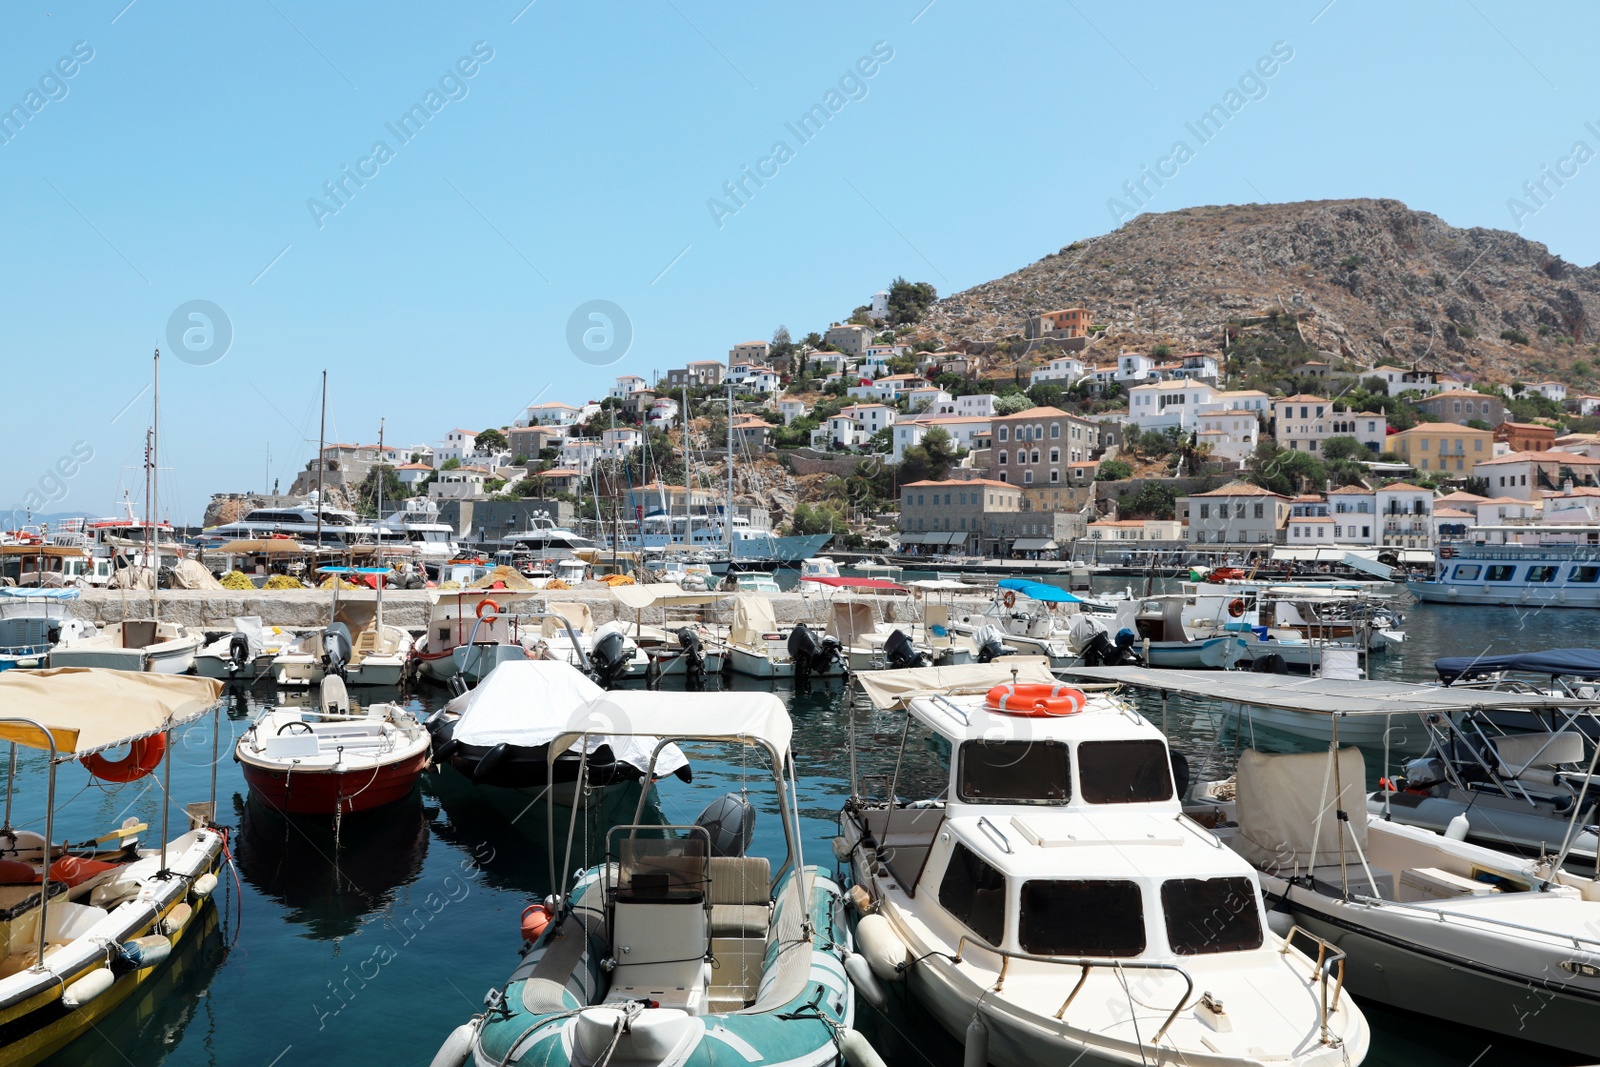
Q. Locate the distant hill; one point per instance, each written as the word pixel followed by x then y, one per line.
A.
pixel 1370 281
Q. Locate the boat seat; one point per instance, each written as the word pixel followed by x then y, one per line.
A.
pixel 1518 753
pixel 741 891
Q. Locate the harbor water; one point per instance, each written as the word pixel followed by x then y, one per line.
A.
pixel 368 949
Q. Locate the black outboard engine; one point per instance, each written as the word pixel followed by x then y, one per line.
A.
pixel 694 657
pixel 991 644
pixel 901 654
pixel 609 660
pixel 1127 655
pixel 1271 663
pixel 809 655
pixel 730 822
pixel 238 653
pixel 336 645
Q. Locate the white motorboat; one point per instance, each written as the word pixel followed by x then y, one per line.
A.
pixel 245 653
pixel 132 645
pixel 1446 928
pixel 471 631
pixel 758 648
pixel 357 644
pixel 1052 903
pixel 33 621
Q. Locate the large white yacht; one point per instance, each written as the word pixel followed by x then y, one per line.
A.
pixel 1052 903
pixel 339 527
pixel 418 522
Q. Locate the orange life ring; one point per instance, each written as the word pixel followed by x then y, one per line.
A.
pixel 535 917
pixel 144 756
pixel 1236 607
pixel 1036 701
pixel 1010 599
pixel 1445 552
pixel 488 607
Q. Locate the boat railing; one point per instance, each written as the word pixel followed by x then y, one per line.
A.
pixel 1444 916
pixel 1087 965
pixel 1329 956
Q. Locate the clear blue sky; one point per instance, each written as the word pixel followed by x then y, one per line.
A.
pixel 577 163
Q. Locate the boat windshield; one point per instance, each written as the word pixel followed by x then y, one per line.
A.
pixel 1014 772
pixel 974 894
pixel 1124 772
pixel 1088 917
pixel 1207 915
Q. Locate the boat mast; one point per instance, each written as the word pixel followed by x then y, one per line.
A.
pixel 322 430
pixel 727 519
pixel 688 482
pixel 153 486
pixel 378 528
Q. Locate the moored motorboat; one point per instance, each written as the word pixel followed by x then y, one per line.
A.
pixel 83 926
pixel 1052 904
pixel 357 644
pixel 621 968
pixel 141 645
pixel 34 621
pixel 758 648
pixel 245 653
pixel 332 760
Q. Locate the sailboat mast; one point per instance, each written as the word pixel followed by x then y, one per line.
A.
pixel 378 528
pixel 688 481
pixel 322 431
pixel 152 501
pixel 728 518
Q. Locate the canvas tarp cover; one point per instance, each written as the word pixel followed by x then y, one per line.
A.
pixel 189 574
pixel 88 709
pixel 1584 662
pixel 1287 810
pixel 894 689
pixel 752 617
pixel 528 703
pixel 852 620
pixel 579 615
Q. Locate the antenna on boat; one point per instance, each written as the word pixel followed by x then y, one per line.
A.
pixel 322 431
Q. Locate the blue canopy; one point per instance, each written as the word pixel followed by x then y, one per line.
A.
pixel 1553 661
pixel 30 593
pixel 1050 594
pixel 355 570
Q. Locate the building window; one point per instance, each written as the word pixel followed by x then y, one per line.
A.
pixel 1055 429
pixel 1205 511
pixel 1001 458
pixel 1055 476
pixel 1003 432
pixel 1036 455
pixel 1055 455
pixel 1027 477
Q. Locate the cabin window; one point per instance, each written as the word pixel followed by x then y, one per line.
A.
pixel 1542 573
pixel 1468 572
pixel 1500 572
pixel 1584 574
pixel 1124 772
pixel 1206 915
pixel 974 894
pixel 1081 918
pixel 1015 772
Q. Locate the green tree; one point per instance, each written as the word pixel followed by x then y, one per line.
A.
pixel 451 464
pixel 394 491
pixel 1046 395
pixel 490 441
pixel 1154 500
pixel 1335 448
pixel 909 301
pixel 821 518
pixel 1284 470
pixel 1113 470
pixel 1011 403
pixel 932 459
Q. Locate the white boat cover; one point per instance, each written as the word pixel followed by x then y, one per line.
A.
pixel 752 617
pixel 852 620
pixel 1287 813
pixel 579 615
pixel 639 597
pixel 896 689
pixel 190 574
pixel 509 578
pixel 88 709
pixel 530 702
pixel 748 718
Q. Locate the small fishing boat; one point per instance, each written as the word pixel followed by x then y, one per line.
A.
pixel 1052 904
pixel 1442 927
pixel 680 949
pixel 139 645
pixel 758 648
pixel 499 733
pixel 84 925
pixel 34 621
pixel 332 760
pixel 245 653
pixel 357 644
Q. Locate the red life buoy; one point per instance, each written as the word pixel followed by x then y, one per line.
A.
pixel 535 917
pixel 1036 701
pixel 488 607
pixel 1445 552
pixel 1236 607
pixel 1010 599
pixel 144 756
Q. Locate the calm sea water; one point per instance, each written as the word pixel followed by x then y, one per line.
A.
pixel 371 951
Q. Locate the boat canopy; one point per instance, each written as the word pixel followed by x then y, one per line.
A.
pixel 1324 696
pixel 1584 662
pixel 752 620
pixel 11 592
pixel 661 594
pixel 943 585
pixel 744 718
pixel 88 709
pixel 879 584
pixel 896 689
pixel 528 703
pixel 1050 594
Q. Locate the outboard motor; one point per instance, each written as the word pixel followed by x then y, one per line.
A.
pixel 609 660
pixel 336 645
pixel 1271 663
pixel 901 654
pixel 1127 655
pixel 694 657
pixel 991 643
pixel 809 655
pixel 238 653
pixel 730 822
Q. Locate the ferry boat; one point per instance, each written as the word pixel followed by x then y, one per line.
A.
pixel 1539 575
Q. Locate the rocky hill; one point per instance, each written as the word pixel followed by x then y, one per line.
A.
pixel 1367 280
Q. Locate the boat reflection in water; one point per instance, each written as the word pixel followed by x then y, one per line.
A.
pixel 506 831
pixel 329 889
pixel 154 1019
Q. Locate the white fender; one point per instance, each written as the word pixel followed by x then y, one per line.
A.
pixel 456 1047
pixel 858 1051
pixel 147 951
pixel 882 947
pixel 866 983
pixel 977 1043
pixel 176 919
pixel 1458 827
pixel 87 988
pixel 204 885
pixel 841 849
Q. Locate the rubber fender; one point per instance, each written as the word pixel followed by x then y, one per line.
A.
pixel 882 947
pixel 865 981
pixel 456 1048
pixel 858 1051
pixel 87 988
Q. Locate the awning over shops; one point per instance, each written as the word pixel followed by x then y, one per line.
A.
pixel 1034 544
